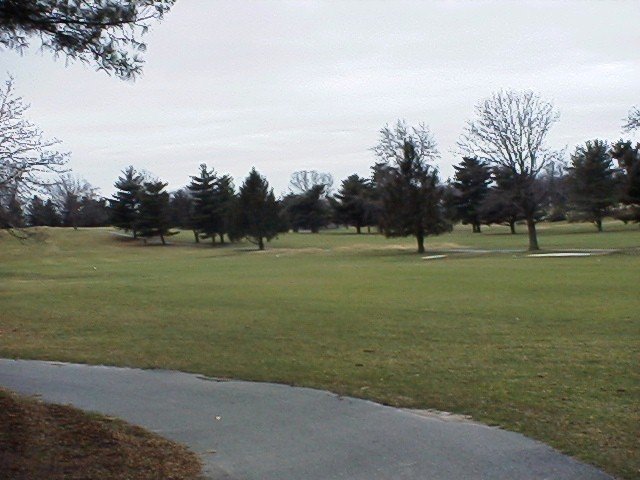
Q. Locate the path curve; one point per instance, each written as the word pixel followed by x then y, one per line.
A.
pixel 247 430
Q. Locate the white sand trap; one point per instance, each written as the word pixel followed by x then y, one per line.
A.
pixel 561 254
pixel 433 257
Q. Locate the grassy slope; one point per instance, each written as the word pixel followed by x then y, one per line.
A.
pixel 548 347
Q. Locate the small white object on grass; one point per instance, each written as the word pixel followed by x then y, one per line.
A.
pixel 561 254
pixel 433 257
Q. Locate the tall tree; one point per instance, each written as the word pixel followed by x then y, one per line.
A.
pixel 257 214
pixel 225 198
pixel 29 162
pixel 124 205
pixel 107 33
pixel 353 204
pixel 154 220
pixel 207 218
pixel 628 158
pixel 591 182
pixel 471 184
pixel 412 196
pixel 510 130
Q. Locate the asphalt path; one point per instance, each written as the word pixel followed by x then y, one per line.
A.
pixel 262 431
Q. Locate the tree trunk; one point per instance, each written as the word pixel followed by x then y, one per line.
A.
pixel 196 236
pixel 135 234
pixel 368 228
pixel 512 226
pixel 222 238
pixel 533 237
pixel 162 239
pixel 213 238
pixel 420 238
pixel 477 227
pixel 599 224
pixel 260 243
pixel 358 229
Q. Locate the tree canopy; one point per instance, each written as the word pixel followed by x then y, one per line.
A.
pixel 509 131
pixel 591 181
pixel 409 185
pixel 107 33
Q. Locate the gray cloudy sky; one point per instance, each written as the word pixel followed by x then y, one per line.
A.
pixel 292 85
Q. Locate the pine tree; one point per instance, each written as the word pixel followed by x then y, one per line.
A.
pixel 257 214
pixel 412 196
pixel 125 202
pixel 591 182
pixel 353 204
pixel 154 212
pixel 42 214
pixel 225 198
pixel 207 221
pixel 500 206
pixel 471 183
pixel 628 158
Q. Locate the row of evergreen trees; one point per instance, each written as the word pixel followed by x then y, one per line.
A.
pixel 601 180
pixel 403 197
pixel 209 206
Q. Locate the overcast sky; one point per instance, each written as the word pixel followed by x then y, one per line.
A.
pixel 293 85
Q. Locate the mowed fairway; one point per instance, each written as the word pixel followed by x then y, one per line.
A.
pixel 548 346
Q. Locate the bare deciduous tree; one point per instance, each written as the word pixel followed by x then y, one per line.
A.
pixel 68 194
pixel 509 131
pixel 303 181
pixel 29 162
pixel 632 120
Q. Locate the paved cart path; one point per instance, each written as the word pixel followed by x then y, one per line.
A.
pixel 246 430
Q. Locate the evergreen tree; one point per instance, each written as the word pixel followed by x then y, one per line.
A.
pixel 309 210
pixel 154 217
pixel 307 206
pixel 225 198
pixel 591 182
pixel 354 204
pixel 471 183
pixel 628 158
pixel 125 202
pixel 257 210
pixel 42 214
pixel 11 215
pixel 181 211
pixel 207 221
pixel 412 197
pixel 35 212
pixel 94 212
pixel 500 206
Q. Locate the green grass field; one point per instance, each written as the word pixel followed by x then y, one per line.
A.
pixel 545 346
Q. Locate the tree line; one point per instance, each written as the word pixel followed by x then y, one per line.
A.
pixel 507 174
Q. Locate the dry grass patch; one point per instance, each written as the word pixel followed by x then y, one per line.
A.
pixel 39 440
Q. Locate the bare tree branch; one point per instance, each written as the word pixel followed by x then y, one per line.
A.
pixel 632 120
pixel 28 161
